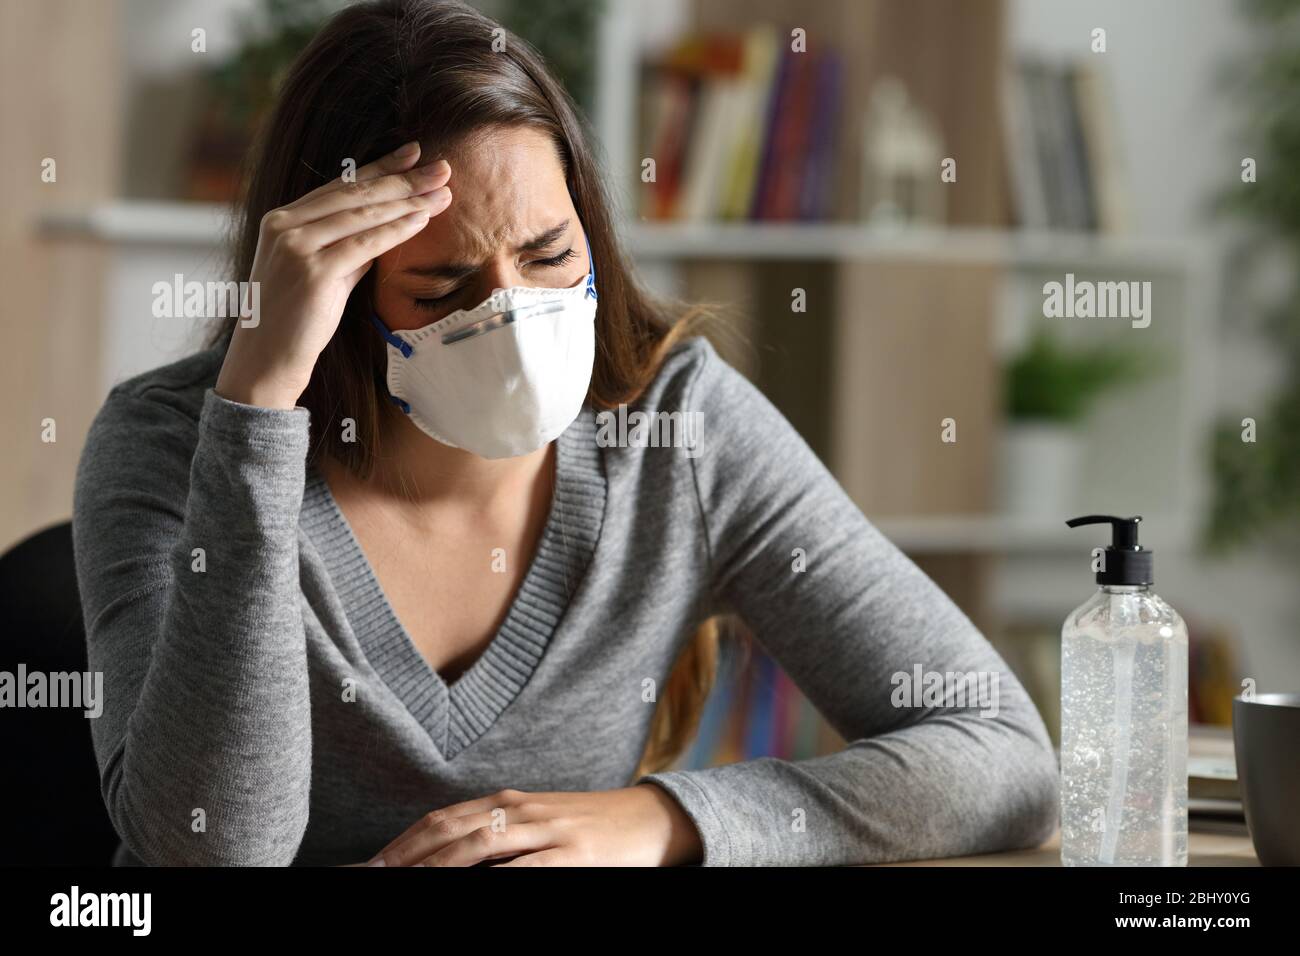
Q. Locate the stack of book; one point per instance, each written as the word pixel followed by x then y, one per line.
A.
pixel 1062 143
pixel 1213 792
pixel 756 710
pixel 740 127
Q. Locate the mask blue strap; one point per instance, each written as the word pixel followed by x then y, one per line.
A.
pixel 390 338
pixel 401 346
pixel 591 270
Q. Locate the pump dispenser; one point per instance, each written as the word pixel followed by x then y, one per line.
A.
pixel 1123 715
pixel 1125 561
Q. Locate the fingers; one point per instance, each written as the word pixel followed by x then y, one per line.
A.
pixel 433 833
pixel 509 800
pixel 486 843
pixel 355 251
pixel 443 827
pixel 403 185
pixel 552 857
pixel 399 160
pixel 485 804
pixel 349 222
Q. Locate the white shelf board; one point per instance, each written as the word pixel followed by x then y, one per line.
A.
pixel 1005 534
pixel 136 222
pixel 859 242
pixel 198 224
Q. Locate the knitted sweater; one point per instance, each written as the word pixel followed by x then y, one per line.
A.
pixel 263 704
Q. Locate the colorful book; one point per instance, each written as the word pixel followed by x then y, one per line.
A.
pixel 752 106
pixel 781 195
pixel 818 173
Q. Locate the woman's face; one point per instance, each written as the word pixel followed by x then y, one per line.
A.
pixel 510 223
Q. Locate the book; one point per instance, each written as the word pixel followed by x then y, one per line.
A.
pixel 675 98
pixel 1062 145
pixel 1101 141
pixel 715 63
pixel 1024 171
pixel 1213 778
pixel 780 197
pixel 815 194
pixel 1074 152
pixel 1049 140
pixel 760 720
pixel 752 106
pixel 714 719
pixel 776 105
pixel 741 127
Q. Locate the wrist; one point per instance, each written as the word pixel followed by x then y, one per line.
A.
pixel 236 385
pixel 256 394
pixel 683 844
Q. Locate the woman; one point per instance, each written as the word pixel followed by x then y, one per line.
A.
pixel 369 582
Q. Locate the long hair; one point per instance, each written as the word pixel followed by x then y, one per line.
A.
pixel 385 72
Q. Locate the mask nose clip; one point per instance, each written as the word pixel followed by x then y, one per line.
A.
pixel 495 321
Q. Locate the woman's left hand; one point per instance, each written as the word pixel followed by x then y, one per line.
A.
pixel 633 826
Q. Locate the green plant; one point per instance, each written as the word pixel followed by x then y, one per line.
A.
pixel 1048 382
pixel 276 31
pixel 1256 484
pixel 271 36
pixel 564 33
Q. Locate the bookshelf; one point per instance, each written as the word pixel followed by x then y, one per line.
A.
pixel 908 323
pixel 958 67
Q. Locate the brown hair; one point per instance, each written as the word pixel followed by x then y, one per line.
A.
pixel 385 72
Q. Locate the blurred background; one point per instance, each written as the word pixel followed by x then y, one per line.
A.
pixel 873 193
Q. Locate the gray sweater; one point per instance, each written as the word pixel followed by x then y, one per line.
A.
pixel 263 704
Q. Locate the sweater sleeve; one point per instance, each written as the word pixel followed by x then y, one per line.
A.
pixel 188 571
pixel 940 775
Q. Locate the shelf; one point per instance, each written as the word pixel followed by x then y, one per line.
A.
pixel 136 222
pixel 205 224
pixel 857 242
pixel 997 534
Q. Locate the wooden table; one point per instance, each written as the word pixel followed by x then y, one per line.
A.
pixel 1203 849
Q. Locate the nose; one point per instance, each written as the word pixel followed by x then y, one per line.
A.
pixel 500 274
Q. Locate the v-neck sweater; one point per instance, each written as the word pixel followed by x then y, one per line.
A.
pixel 456 716
pixel 264 705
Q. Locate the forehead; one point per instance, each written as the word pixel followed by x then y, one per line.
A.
pixel 507 186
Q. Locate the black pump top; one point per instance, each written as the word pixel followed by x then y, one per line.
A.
pixel 1125 562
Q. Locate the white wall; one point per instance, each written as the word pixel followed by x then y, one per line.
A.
pixel 1162 57
pixel 1181 143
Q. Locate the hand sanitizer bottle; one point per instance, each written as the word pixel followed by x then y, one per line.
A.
pixel 1123 715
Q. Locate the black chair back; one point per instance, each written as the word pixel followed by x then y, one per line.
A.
pixel 51 808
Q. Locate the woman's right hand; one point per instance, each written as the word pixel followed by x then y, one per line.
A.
pixel 310 256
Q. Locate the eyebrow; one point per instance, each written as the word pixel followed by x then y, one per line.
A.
pixel 458 270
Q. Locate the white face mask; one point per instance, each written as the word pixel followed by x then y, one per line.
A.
pixel 503 378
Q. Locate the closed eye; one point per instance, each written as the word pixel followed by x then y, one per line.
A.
pixel 568 255
pixel 437 302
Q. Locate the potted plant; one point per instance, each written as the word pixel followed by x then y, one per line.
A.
pixel 1256 482
pixel 239 92
pixel 1049 390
